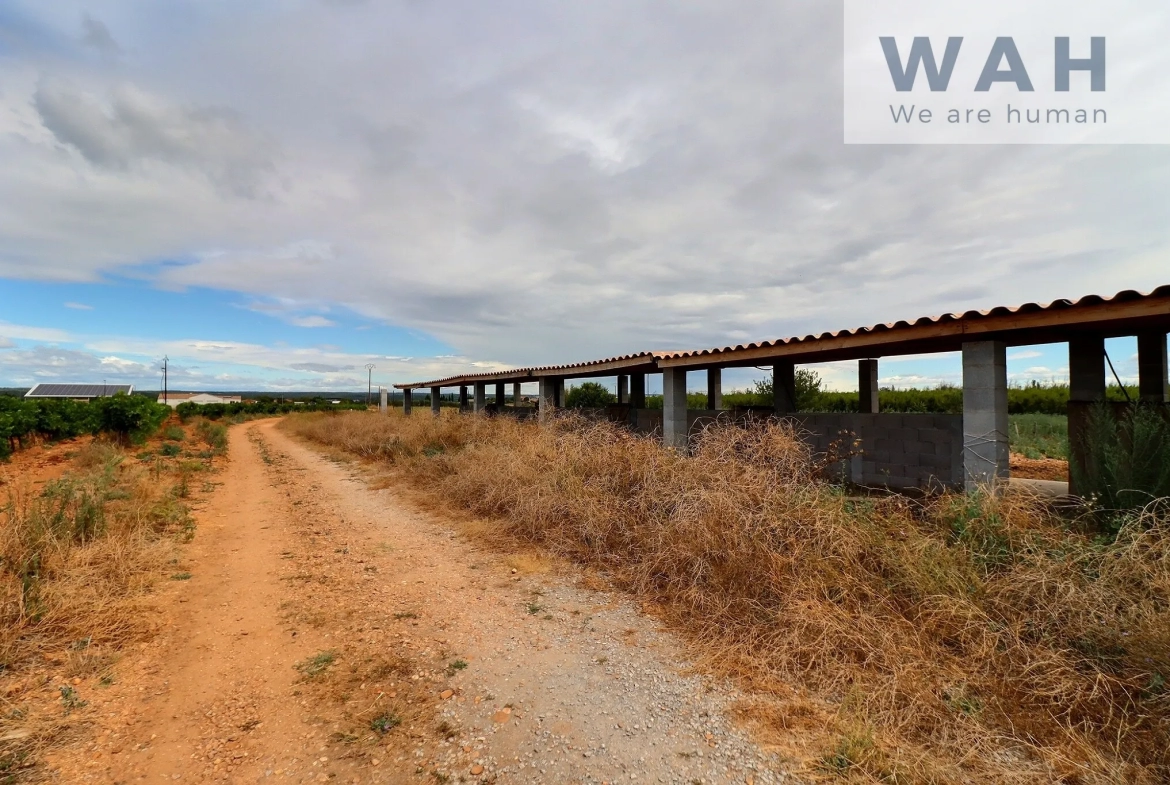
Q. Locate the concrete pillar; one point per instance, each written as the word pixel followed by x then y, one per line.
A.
pixel 480 397
pixel 462 398
pixel 638 391
pixel 516 395
pixel 547 397
pixel 436 394
pixel 985 414
pixel 674 408
pixel 623 389
pixel 714 388
pixel 383 406
pixel 784 387
pixel 1086 383
pixel 1152 367
pixel 500 396
pixel 407 400
pixel 867 386
pixel 1086 368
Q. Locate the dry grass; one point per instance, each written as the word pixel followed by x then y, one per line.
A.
pixel 76 562
pixel 965 639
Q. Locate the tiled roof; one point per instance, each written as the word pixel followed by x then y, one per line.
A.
pixel 1022 324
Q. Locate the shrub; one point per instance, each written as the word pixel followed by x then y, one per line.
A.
pixel 264 407
pixel 132 417
pixel 1125 460
pixel 214 435
pixel 589 395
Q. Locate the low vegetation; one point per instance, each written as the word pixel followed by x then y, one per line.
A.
pixel 1126 460
pixel 78 558
pixel 1034 398
pixel 956 639
pixel 127 418
pixel 1039 435
pixel 266 407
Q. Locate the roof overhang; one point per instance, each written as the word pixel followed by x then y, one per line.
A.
pixel 1126 313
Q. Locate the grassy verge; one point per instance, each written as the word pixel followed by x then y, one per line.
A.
pixel 78 558
pixel 965 640
pixel 1039 435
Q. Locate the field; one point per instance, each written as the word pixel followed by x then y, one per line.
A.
pixel 960 640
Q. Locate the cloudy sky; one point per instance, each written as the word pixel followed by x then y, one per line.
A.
pixel 274 194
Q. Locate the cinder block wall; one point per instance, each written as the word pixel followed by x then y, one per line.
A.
pixel 896 450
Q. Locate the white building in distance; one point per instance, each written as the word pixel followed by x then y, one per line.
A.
pixel 176 398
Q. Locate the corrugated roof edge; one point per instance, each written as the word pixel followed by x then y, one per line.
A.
pixel 1090 300
pixel 526 373
pixel 973 315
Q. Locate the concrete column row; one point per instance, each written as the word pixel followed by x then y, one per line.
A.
pixel 985 408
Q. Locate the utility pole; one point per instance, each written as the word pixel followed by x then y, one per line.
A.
pixel 165 361
pixel 369 383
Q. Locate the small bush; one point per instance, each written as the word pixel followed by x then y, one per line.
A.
pixel 589 395
pixel 214 435
pixel 316 665
pixel 385 723
pixel 174 433
pixel 170 450
pixel 1125 460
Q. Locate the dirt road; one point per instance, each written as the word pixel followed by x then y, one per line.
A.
pixel 329 631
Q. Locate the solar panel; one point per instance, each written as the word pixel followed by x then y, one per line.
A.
pixel 77 390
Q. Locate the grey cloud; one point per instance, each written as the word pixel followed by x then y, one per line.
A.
pixel 321 367
pixel 552 182
pixel 95 34
pixel 137 127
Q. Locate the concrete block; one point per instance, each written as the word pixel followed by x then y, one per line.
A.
pixel 1086 368
pixel 867 385
pixel 547 396
pixel 480 400
pixel 674 408
pixel 784 387
pixel 985 415
pixel 714 388
pixel 1152 367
